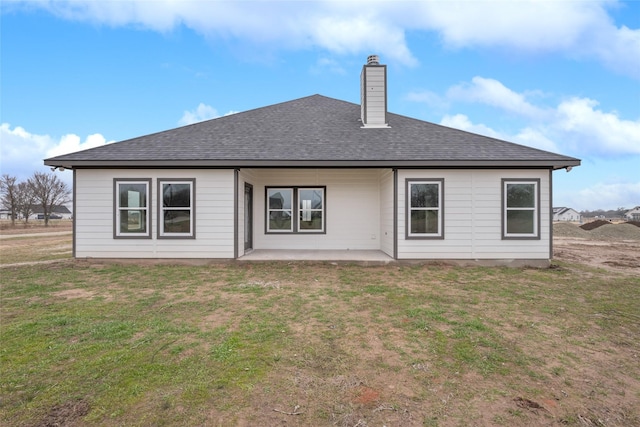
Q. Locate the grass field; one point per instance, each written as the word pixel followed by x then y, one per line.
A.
pixel 318 344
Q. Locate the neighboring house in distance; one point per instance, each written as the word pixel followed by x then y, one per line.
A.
pixel 633 214
pixel 5 214
pixel 315 174
pixel 566 214
pixel 58 212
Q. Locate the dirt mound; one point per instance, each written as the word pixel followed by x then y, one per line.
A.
pixel 594 224
pixel 636 223
pixel 567 229
pixel 612 232
pixel 616 232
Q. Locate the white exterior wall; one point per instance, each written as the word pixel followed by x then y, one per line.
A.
pixel 374 107
pixel 94 216
pixel 472 217
pixel 358 208
pixel 568 215
pixel 633 214
pixel 386 212
pixel 352 208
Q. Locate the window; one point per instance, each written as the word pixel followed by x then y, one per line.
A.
pixel 279 210
pixel 295 210
pixel 425 209
pixel 131 208
pixel 176 208
pixel 521 211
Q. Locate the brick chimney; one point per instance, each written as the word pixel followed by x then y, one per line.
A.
pixel 373 94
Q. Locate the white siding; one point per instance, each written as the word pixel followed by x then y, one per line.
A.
pixel 352 208
pixel 374 91
pixel 568 215
pixel 213 216
pixel 386 212
pixel 358 208
pixel 472 217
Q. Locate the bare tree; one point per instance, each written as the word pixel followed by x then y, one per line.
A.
pixel 26 200
pixel 49 191
pixel 8 195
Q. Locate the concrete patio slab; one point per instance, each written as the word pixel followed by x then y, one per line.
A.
pixel 359 257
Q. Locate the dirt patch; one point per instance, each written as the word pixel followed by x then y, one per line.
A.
pixel 34 227
pixel 614 247
pixel 367 396
pixel 74 294
pixel 67 414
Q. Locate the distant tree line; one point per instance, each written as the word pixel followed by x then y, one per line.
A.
pixel 45 190
pixel 601 213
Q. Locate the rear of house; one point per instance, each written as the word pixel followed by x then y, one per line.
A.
pixel 315 174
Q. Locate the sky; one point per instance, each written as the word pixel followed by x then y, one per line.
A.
pixel 562 76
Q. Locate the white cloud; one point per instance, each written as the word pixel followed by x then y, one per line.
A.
pixel 201 113
pixel 607 196
pixel 592 130
pixel 576 29
pixel 527 136
pixel 429 98
pixel 328 65
pixel 461 121
pixel 71 143
pixel 23 152
pixel 576 124
pixel 492 92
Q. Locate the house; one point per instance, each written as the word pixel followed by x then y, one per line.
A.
pixel 566 214
pixel 633 214
pixel 57 212
pixel 315 175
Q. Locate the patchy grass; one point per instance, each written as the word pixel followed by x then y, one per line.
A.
pixel 318 344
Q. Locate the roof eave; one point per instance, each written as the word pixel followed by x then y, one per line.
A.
pixel 233 164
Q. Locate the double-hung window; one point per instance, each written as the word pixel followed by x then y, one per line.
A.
pixel 295 209
pixel 311 209
pixel 132 208
pixel 425 209
pixel 176 206
pixel 520 208
pixel 279 210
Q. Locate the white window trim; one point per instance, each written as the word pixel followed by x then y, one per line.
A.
pixel 440 209
pixel 118 209
pixel 269 210
pixel 161 209
pixel 296 210
pixel 536 209
pixel 301 211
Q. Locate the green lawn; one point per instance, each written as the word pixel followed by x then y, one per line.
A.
pixel 318 344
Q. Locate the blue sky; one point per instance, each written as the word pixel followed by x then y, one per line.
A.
pixel 558 75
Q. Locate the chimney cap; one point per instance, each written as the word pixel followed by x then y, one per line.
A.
pixel 373 60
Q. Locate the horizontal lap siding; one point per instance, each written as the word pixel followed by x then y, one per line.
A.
pixel 213 216
pixel 472 217
pixel 352 208
pixel 386 212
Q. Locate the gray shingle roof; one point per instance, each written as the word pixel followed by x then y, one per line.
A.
pixel 311 131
